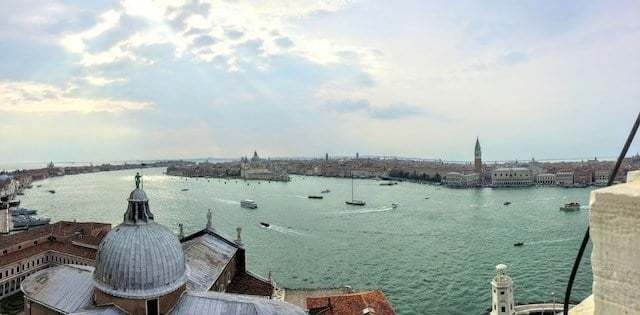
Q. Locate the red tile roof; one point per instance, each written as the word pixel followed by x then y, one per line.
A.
pixel 350 304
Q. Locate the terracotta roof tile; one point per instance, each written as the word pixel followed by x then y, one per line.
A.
pixel 350 304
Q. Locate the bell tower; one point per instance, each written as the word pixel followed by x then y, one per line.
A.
pixel 478 158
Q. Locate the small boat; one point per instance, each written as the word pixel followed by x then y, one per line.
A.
pixel 19 193
pixel 507 203
pixel 326 191
pixel 572 206
pixel 388 183
pixel 426 198
pixel 265 224
pixel 314 197
pixel 14 203
pixel 39 186
pixel 52 191
pixel 355 202
pixel 518 244
pixel 249 204
pixel 185 189
pixel 394 205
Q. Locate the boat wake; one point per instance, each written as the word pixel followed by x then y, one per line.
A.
pixel 283 230
pixel 227 201
pixel 552 241
pixel 364 211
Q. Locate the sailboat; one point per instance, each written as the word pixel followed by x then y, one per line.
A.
pixel 354 202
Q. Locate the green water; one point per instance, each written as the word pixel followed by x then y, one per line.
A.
pixel 434 256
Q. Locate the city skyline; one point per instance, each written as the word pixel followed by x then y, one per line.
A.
pixel 189 79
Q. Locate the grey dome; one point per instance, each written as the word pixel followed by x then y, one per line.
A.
pixel 139 258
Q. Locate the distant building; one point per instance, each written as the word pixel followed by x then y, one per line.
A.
pixel 478 157
pixel 601 177
pixel 546 179
pixel 258 169
pixel 511 177
pixel 459 180
pixel 583 176
pixel 564 178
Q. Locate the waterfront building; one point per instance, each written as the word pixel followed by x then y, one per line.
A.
pixel 478 157
pixel 564 178
pixel 63 242
pixel 359 303
pixel 546 179
pixel 601 177
pixel 583 176
pixel 502 293
pixel 459 180
pixel 142 268
pixel 258 169
pixel 511 177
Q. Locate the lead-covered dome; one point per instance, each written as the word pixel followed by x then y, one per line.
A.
pixel 139 258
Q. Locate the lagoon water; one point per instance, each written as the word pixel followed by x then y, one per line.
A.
pixel 429 256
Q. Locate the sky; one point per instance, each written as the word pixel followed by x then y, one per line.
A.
pixel 138 79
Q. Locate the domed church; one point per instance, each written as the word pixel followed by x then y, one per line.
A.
pixel 143 268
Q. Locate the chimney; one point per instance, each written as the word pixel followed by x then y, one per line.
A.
pixel 238 240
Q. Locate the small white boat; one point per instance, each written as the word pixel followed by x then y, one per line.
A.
pixel 326 191
pixel 249 204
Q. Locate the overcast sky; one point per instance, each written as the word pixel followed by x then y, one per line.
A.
pixel 137 79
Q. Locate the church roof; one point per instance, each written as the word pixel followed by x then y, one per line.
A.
pixel 64 288
pixel 207 256
pixel 214 303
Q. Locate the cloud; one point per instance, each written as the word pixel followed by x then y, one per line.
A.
pixel 204 40
pixel 32 97
pixel 284 42
pixel 363 107
pixel 233 34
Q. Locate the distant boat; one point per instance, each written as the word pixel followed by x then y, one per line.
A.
pixel 52 191
pixel 572 206
pixel 518 244
pixel 39 186
pixel 394 205
pixel 19 193
pixel 314 197
pixel 265 224
pixel 14 203
pixel 388 183
pixel 249 204
pixel 507 203
pixel 185 189
pixel 326 191
pixel 22 211
pixel 354 202
pixel 426 198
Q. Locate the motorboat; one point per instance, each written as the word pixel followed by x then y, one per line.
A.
pixel 518 244
pixel 52 191
pixel 394 205
pixel 507 203
pixel 22 211
pixel 572 206
pixel 23 222
pixel 249 204
pixel 326 191
pixel 14 203
pixel 314 197
pixel 388 183
pixel 266 225
pixel 185 189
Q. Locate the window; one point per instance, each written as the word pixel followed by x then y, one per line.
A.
pixel 502 309
pixel 152 307
pixel 501 292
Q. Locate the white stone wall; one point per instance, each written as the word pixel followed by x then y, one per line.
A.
pixel 615 259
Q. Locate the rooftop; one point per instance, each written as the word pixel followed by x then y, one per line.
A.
pixel 207 256
pixel 351 303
